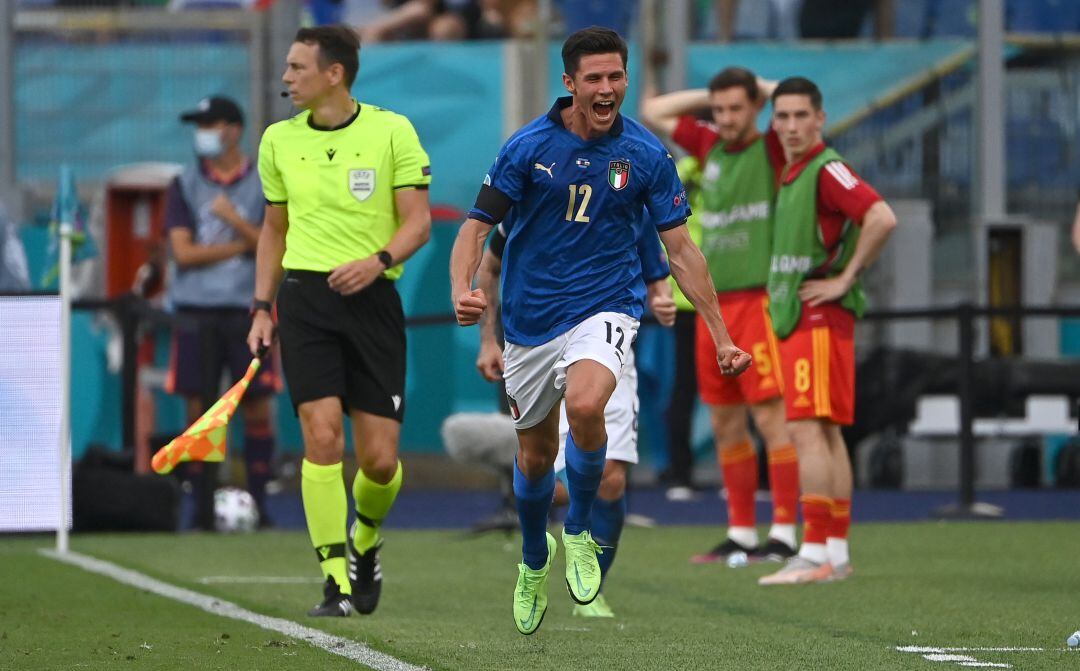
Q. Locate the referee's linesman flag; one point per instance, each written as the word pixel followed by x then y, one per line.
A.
pixel 205 439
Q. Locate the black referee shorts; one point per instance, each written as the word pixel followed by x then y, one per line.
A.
pixel 351 347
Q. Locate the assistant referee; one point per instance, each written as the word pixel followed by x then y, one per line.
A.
pixel 347 202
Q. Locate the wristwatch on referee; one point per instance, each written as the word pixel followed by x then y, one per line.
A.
pixel 257 305
pixel 385 258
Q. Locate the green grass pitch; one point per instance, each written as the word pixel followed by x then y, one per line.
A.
pixel 446 604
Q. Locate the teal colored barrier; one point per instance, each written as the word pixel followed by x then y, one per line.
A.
pixel 98 106
pixel 453 95
pixel 880 67
pixel 1069 330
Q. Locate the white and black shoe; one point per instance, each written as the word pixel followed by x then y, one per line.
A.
pixel 365 576
pixel 773 551
pixel 334 604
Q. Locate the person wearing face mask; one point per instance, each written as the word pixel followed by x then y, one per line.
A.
pixel 212 215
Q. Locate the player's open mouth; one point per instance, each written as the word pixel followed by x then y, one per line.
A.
pixel 604 110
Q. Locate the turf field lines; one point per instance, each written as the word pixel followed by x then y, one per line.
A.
pixel 956 655
pixel 936 649
pixel 337 645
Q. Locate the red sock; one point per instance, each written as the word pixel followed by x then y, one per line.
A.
pixel 784 482
pixel 738 464
pixel 817 518
pixel 841 518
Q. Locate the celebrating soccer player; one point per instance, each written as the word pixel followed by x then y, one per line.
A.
pixel 830 226
pixel 620 415
pixel 573 182
pixel 346 185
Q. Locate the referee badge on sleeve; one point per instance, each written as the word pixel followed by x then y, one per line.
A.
pixel 362 183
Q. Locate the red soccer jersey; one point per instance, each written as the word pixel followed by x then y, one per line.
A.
pixel 841 195
pixel 698 137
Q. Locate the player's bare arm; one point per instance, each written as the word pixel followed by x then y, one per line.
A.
pixel 415 213
pixel 661 301
pixel 469 303
pixel 877 226
pixel 662 113
pixel 489 361
pixel 692 274
pixel 268 273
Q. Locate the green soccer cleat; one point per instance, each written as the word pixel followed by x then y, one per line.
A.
pixel 598 608
pixel 530 594
pixel 582 568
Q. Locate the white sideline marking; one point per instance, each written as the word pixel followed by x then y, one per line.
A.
pixel 948 654
pixel 919 649
pixel 357 652
pixel 258 580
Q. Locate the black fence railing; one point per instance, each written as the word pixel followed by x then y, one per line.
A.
pixel 965 314
pixel 131 311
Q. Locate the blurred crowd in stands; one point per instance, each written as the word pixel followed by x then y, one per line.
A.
pixel 718 20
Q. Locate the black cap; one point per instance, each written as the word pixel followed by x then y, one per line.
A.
pixel 214 108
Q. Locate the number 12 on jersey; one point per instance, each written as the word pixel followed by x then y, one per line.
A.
pixel 585 191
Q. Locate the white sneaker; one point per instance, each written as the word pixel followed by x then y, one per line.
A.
pixel 798 570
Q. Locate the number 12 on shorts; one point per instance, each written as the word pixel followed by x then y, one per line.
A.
pixel 613 331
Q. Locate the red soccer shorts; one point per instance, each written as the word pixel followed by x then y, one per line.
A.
pixel 818 360
pixel 746 315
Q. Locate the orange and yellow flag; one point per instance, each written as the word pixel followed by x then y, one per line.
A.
pixel 205 439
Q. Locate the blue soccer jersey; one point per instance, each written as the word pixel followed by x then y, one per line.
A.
pixel 654 264
pixel 571 250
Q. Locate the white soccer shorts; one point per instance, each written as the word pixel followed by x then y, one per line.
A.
pixel 536 376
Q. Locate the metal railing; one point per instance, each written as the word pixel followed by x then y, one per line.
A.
pixel 966 314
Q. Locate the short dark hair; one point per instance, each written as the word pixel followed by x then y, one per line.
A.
pixel 589 41
pixel 337 44
pixel 798 86
pixel 733 77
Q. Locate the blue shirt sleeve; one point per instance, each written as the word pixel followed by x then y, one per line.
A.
pixel 654 265
pixel 504 185
pixel 666 197
pixel 506 174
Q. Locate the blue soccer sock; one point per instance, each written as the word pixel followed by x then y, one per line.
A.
pixel 607 525
pixel 533 498
pixel 583 473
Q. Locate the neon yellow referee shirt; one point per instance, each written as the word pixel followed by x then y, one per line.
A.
pixel 339 184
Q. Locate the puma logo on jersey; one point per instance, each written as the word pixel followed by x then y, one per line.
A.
pixel 547 169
